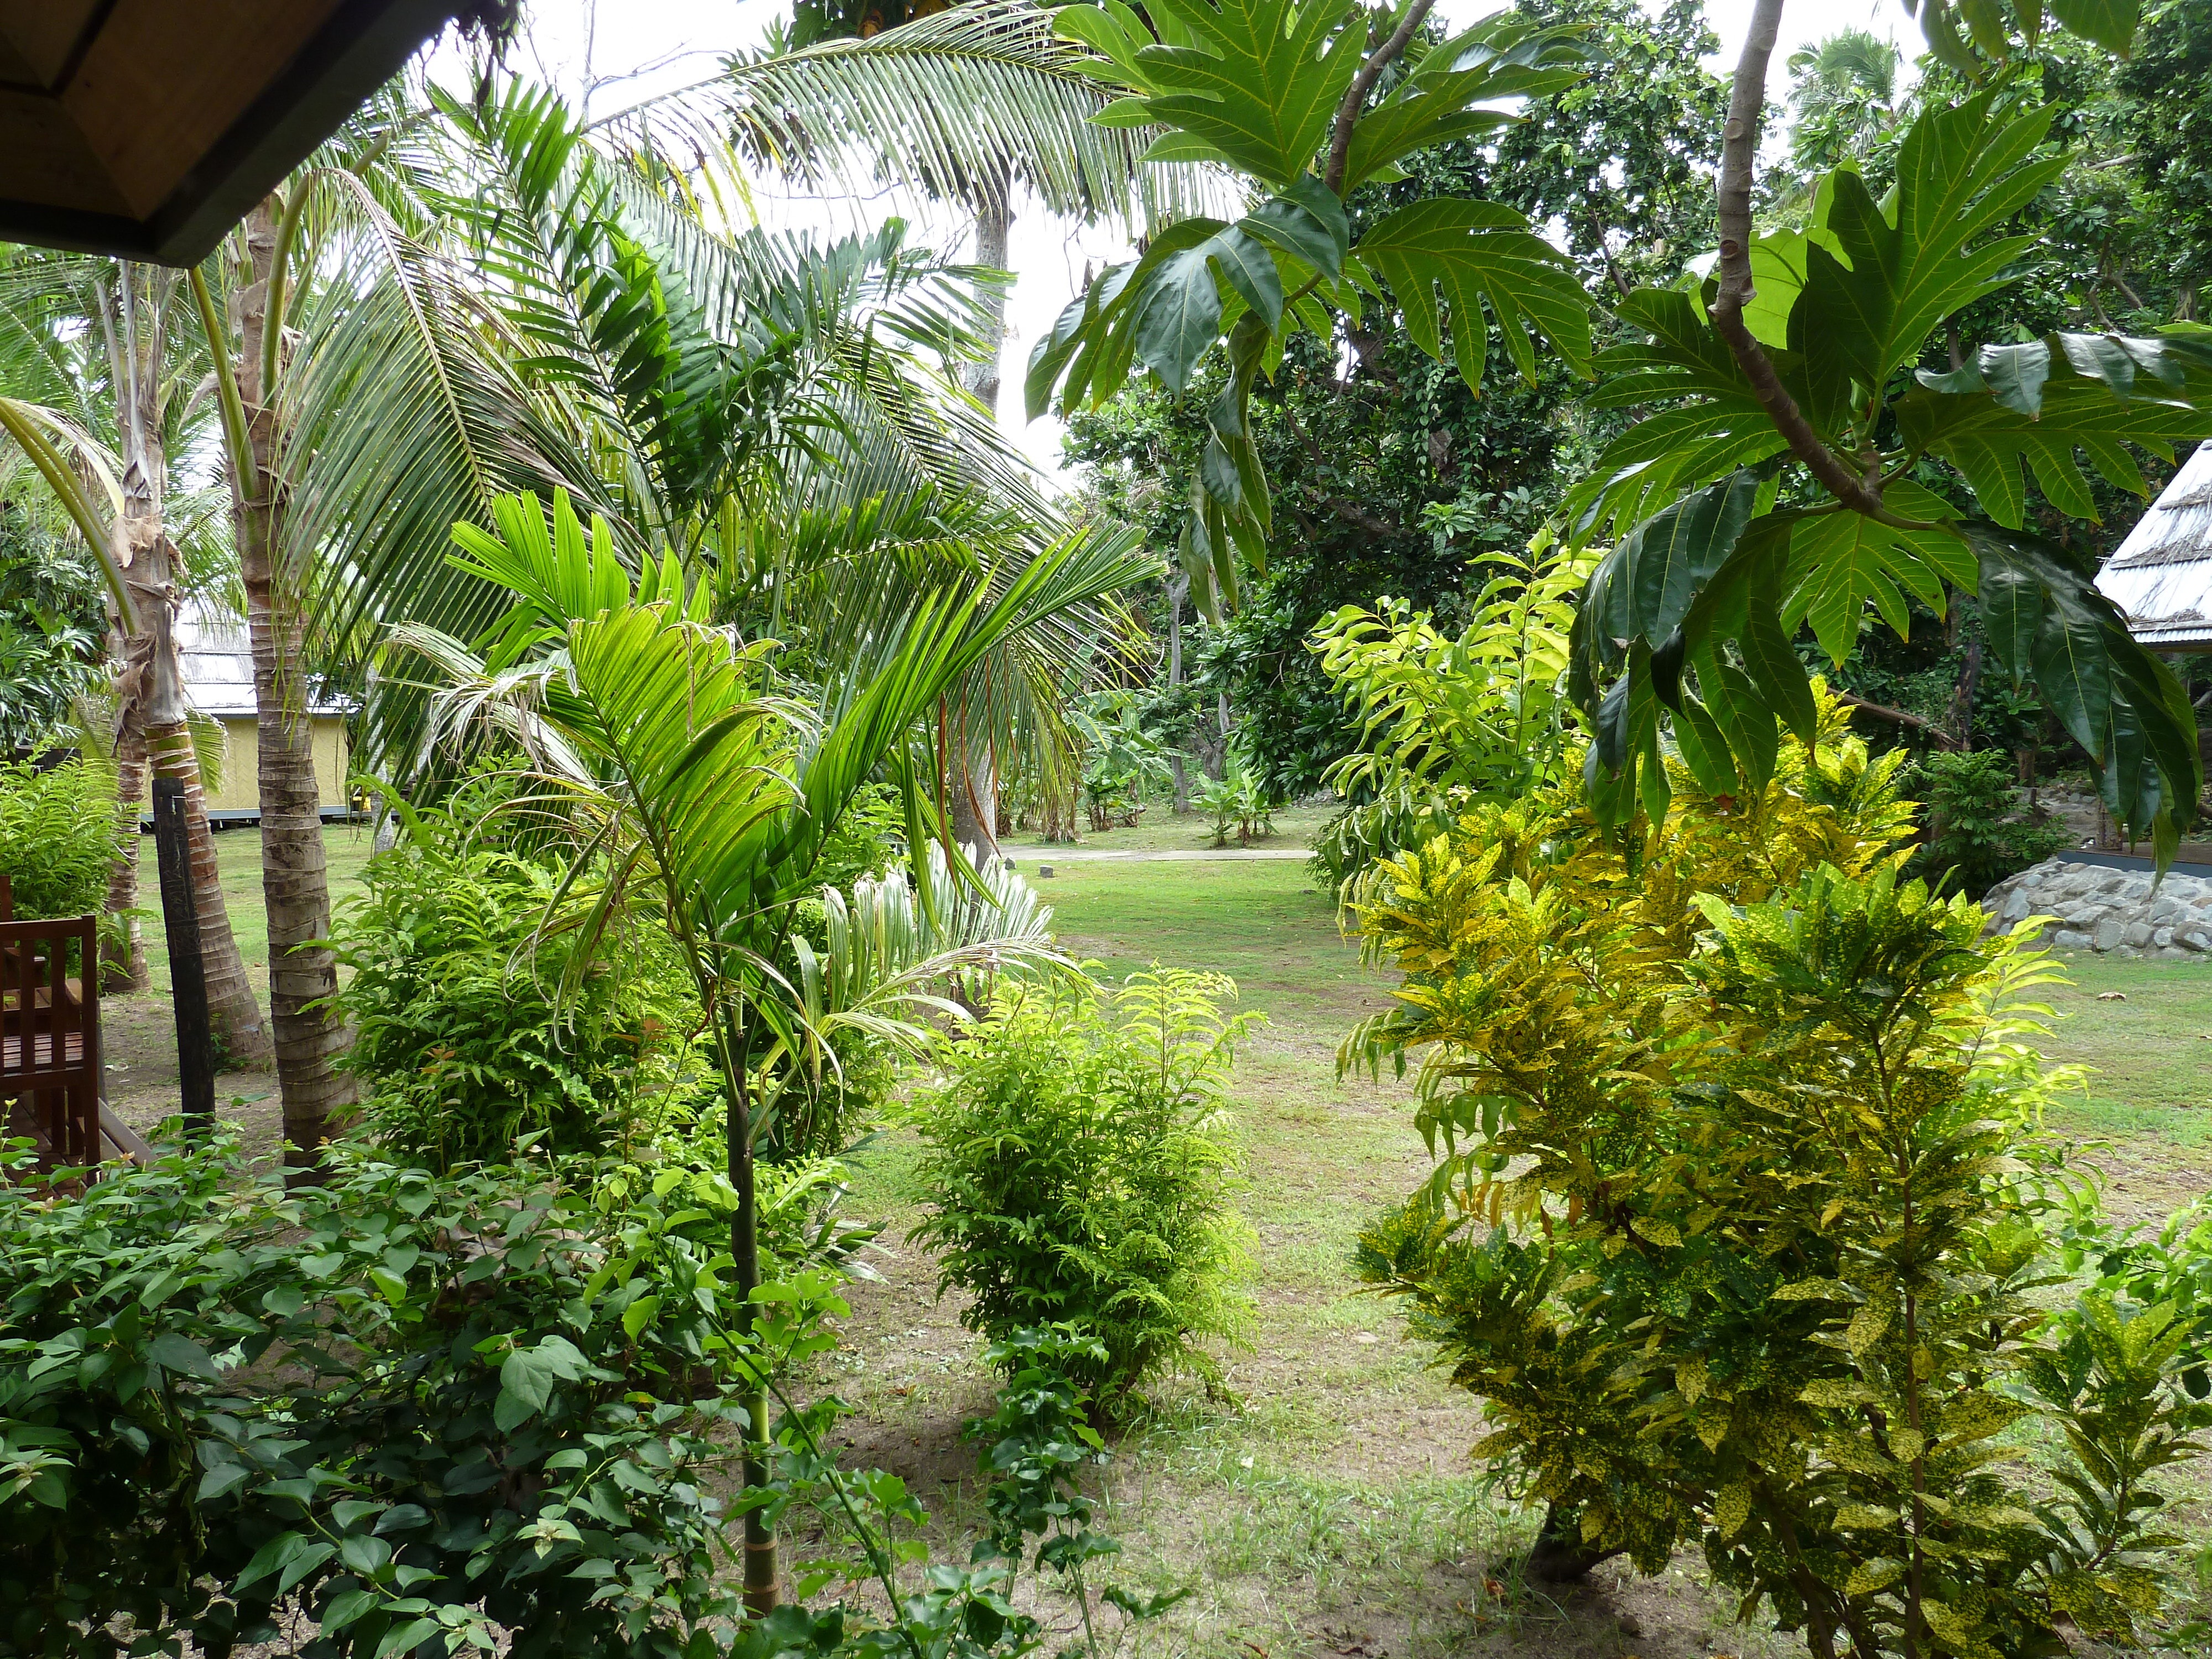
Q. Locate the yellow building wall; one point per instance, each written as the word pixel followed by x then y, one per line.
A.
pixel 241 785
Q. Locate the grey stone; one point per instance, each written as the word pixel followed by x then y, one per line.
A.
pixel 2197 939
pixel 2017 906
pixel 2138 933
pixel 2128 953
pixel 2168 909
pixel 2067 939
pixel 2172 953
pixel 2161 937
pixel 2108 934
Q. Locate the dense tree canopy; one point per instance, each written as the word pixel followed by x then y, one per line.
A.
pixel 1391 473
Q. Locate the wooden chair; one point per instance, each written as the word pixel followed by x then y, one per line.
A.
pixel 50 1068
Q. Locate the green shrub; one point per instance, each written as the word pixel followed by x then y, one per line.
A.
pixel 1236 804
pixel 494 1405
pixel 1445 722
pixel 57 837
pixel 1977 830
pixel 53 627
pixel 1077 1163
pixel 1742 1227
pixel 473 1030
pixel 433 1409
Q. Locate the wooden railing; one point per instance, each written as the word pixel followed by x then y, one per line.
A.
pixel 50 1063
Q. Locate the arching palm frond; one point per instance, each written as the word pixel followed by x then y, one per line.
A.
pixel 1850 66
pixel 404 412
pixel 950 105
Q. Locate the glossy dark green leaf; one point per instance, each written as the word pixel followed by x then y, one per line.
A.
pixel 1668 557
pixel 1772 664
pixel 1260 82
pixel 2011 610
pixel 1705 748
pixel 1911 260
pixel 1753 737
pixel 1479 253
pixel 2067 656
pixel 1307 223
pixel 2110 23
pixel 1846 560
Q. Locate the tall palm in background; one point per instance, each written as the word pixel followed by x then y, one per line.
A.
pixel 972 104
pixel 459 300
pixel 90 347
pixel 1845 93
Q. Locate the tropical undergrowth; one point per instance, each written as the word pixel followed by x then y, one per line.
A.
pixel 492 1410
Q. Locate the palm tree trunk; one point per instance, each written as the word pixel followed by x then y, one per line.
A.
pixel 151 693
pixel 973 788
pixel 126 970
pixel 1178 588
pixel 294 874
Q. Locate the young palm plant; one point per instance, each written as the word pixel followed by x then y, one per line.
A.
pixel 693 789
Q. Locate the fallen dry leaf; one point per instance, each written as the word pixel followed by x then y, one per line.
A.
pixel 2111 996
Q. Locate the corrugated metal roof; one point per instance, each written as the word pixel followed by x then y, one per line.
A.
pixel 2161 574
pixel 215 658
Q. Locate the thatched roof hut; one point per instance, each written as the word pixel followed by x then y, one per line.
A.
pixel 2161 574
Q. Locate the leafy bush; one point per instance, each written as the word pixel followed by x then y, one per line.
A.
pixel 476 1025
pixel 424 1407
pixel 54 628
pixel 421 1405
pixel 1977 830
pixel 1123 761
pixel 57 837
pixel 1077 1163
pixel 1446 722
pixel 1238 803
pixel 1739 1234
pixel 1036 1445
pixel 2173 1270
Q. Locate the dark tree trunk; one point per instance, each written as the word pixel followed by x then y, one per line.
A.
pixel 1560 1556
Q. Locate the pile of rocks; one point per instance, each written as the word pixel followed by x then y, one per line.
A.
pixel 2112 910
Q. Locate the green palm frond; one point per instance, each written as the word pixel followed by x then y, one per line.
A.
pixel 404 413
pixel 952 104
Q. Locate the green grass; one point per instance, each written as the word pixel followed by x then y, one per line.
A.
pixel 237 860
pixel 2152 1051
pixel 2145 1120
pixel 1160 831
pixel 1262 923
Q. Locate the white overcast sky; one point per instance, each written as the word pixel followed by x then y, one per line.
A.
pixel 661 45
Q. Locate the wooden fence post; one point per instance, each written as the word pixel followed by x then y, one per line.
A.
pixel 187 972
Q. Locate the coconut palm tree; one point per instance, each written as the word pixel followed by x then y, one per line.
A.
pixel 969 104
pixel 89 345
pixel 1844 91
pixel 477 299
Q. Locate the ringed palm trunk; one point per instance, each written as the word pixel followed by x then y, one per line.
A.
pixel 133 318
pixel 972 788
pixel 123 951
pixel 308 1037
